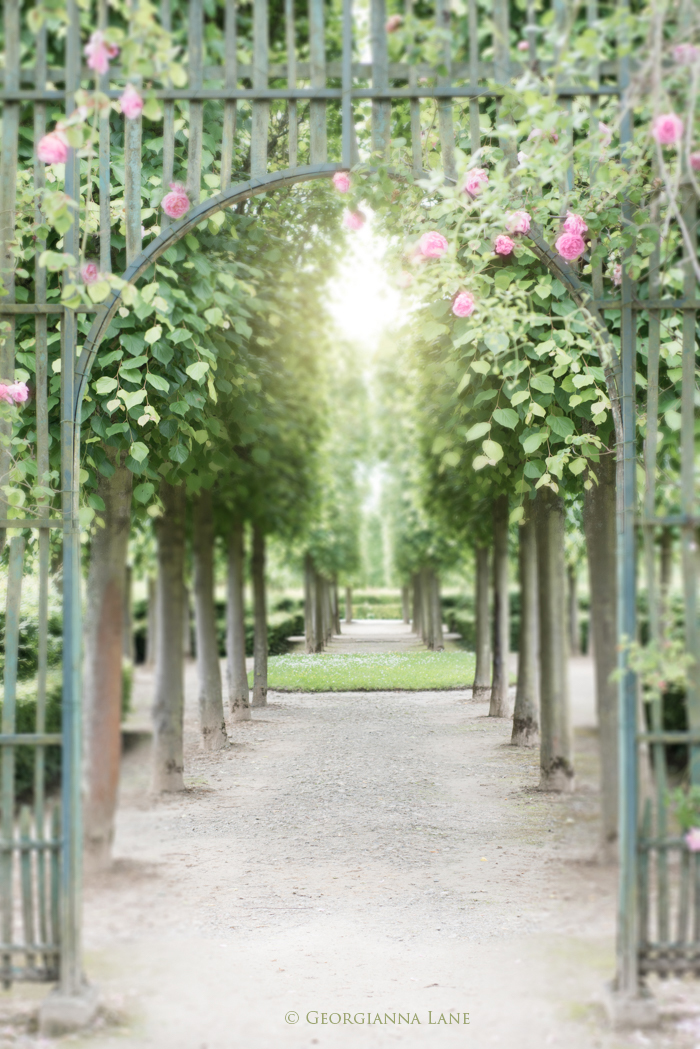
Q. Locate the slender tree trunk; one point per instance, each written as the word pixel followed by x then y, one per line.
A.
pixel 417 606
pixel 500 702
pixel 128 638
pixel 308 604
pixel 438 640
pixel 328 609
pixel 348 604
pixel 186 624
pixel 211 707
pixel 336 608
pixel 318 613
pixel 102 676
pixel 666 570
pixel 260 612
pixel 557 772
pixel 405 605
pixel 151 622
pixel 238 690
pixel 601 543
pixel 525 715
pixel 168 707
pixel 426 608
pixel 482 675
pixel 572 593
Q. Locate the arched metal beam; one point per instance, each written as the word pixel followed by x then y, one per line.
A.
pixel 233 195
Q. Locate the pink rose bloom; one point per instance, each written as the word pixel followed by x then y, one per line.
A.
pixel 538 133
pixel 667 129
pixel 522 157
pixel 393 23
pixel 131 103
pixel 354 220
pixel 574 223
pixel 5 394
pixel 503 246
pixel 692 839
pixel 99 52
pixel 605 134
pixel 341 181
pixel 686 54
pixel 175 203
pixel 474 181
pixel 90 273
pixel 695 161
pixel 433 245
pixel 570 246
pixel 518 222
pixel 19 392
pixel 523 45
pixel 617 274
pixel 53 148
pixel 464 304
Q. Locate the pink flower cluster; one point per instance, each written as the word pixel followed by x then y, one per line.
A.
pixel 692 839
pixel 433 245
pixel 474 181
pixel 341 181
pixel 574 224
pixel 393 23
pixel 695 161
pixel 176 202
pixel 617 274
pixel 605 134
pixel 463 304
pixel 90 273
pixel 518 222
pixel 667 129
pixel 686 54
pixel 354 220
pixel 99 53
pixel 523 45
pixel 53 148
pixel 504 245
pixel 131 102
pixel 15 393
pixel 570 246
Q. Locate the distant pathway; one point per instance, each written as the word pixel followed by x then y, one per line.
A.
pixel 375 635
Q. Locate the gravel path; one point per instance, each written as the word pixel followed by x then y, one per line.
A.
pixel 361 855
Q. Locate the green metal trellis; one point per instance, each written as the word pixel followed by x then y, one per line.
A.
pixel 35 858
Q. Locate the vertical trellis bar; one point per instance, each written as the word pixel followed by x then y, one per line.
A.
pixel 292 118
pixel 414 109
pixel 71 866
pixel 627 975
pixel 474 125
pixel 347 125
pixel 261 110
pixel 445 124
pixel 531 34
pixel 318 153
pixel 12 611
pixel 501 63
pixel 381 109
pixel 597 266
pixel 104 169
pixel 132 183
pixel 168 124
pixel 228 131
pixel 25 872
pixel 196 70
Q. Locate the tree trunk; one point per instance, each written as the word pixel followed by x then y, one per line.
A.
pixel 211 707
pixel 574 628
pixel 238 690
pixel 557 772
pixel 405 605
pixel 169 686
pixel 500 703
pixel 327 611
pixel 482 675
pixel 348 604
pixel 601 543
pixel 525 715
pixel 318 613
pixel 436 610
pixel 260 613
pixel 426 608
pixel 151 622
pixel 128 634
pixel 417 607
pixel 102 676
pixel 309 604
pixel 336 608
pixel 186 624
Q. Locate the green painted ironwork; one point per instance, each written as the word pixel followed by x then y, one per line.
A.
pixel 659 897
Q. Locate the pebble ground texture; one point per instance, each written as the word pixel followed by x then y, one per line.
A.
pixel 357 854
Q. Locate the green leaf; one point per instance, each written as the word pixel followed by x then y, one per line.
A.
pixel 214 315
pixel 543 290
pixel 130 375
pixel 517 515
pixel 577 466
pixel 105 385
pixel 153 334
pixel 464 381
pixel 561 426
pixel 451 458
pixel 582 380
pixel 519 396
pixel 480 462
pixel 543 383
pixel 481 367
pixel 493 450
pixel 143 492
pixel 506 417
pixel 98 291
pixel 198 370
pixel 96 501
pixel 54 261
pixel 138 451
pixel 533 442
pixel 132 399
pixel 432 331
pixel 180 407
pixel 179 335
pixel 497 341
pixel 261 456
pixel 534 468
pixel 179 453
pixel 477 430
pixel 157 382
pixel 133 344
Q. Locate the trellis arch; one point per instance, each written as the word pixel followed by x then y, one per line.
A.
pixel 43 941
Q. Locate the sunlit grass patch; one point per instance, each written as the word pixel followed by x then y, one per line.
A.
pixel 380 672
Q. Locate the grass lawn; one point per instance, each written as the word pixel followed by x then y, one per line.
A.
pixel 382 672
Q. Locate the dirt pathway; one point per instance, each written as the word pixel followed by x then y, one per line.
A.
pixel 358 854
